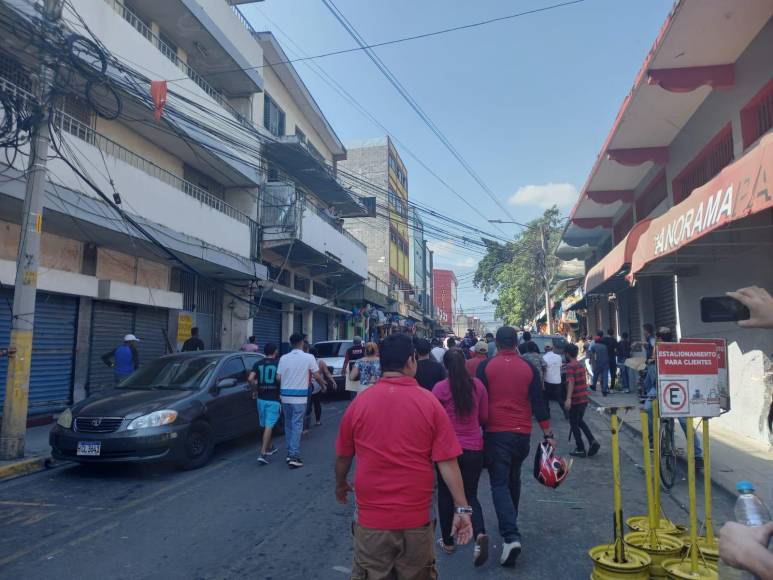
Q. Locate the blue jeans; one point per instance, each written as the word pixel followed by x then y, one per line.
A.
pixel 504 454
pixel 624 377
pixel 601 371
pixel 294 415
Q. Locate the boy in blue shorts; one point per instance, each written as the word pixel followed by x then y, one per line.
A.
pixel 265 384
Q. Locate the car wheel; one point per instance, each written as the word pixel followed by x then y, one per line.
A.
pixel 199 445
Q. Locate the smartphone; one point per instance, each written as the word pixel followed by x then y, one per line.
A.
pixel 722 309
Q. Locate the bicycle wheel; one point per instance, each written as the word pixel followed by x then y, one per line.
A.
pixel 667 454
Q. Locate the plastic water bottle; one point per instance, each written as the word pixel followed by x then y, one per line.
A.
pixel 750 510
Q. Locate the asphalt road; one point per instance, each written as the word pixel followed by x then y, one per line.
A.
pixel 233 519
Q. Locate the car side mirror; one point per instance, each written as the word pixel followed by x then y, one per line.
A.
pixel 225 383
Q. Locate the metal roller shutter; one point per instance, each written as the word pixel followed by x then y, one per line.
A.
pixel 206 325
pixel 53 350
pixel 665 302
pixel 267 324
pixel 110 322
pixel 319 333
pixel 150 326
pixel 634 316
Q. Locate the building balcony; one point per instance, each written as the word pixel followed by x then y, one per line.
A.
pixel 293 226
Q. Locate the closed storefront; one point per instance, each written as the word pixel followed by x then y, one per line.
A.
pixel 664 301
pixel 320 326
pixel 204 301
pixel 110 322
pixel 53 350
pixel 267 324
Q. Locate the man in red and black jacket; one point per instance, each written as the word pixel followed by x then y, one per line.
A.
pixel 515 392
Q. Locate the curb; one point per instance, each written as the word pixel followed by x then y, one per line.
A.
pixel 25 466
pixel 681 459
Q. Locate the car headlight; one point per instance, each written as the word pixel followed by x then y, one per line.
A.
pixel 65 419
pixel 155 419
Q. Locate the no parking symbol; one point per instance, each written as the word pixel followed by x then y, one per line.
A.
pixel 674 397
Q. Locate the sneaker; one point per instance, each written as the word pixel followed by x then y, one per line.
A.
pixel 578 453
pixel 272 451
pixel 263 460
pixel 480 551
pixel 287 459
pixel 594 448
pixel 295 463
pixel 318 423
pixel 699 463
pixel 604 393
pixel 510 552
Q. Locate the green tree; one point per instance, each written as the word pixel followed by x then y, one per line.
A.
pixel 515 271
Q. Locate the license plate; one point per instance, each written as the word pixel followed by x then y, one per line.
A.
pixel 91 448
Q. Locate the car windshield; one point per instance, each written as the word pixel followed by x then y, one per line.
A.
pixel 178 373
pixel 559 343
pixel 332 349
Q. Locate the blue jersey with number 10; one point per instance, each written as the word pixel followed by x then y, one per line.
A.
pixel 265 372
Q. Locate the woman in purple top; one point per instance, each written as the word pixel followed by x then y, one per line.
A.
pixel 466 401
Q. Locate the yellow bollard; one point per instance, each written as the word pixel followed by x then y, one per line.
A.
pixel 708 544
pixel 656 452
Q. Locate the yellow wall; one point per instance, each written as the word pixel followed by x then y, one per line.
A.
pixel 136 143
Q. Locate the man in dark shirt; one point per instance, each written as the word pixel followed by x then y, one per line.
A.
pixel 194 342
pixel 353 353
pixel 265 387
pixel 429 372
pixel 611 343
pixel 624 353
pixel 525 337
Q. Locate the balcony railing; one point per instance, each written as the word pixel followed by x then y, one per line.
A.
pixel 334 222
pixel 241 18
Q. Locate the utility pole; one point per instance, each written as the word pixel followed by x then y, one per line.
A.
pixel 546 276
pixel 17 385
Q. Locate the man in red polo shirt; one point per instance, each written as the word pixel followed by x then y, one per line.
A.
pixel 514 390
pixel 397 430
pixel 479 354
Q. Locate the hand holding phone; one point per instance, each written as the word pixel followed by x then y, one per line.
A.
pixel 760 304
pixel 723 309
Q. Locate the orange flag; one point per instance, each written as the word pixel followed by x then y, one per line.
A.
pixel 158 92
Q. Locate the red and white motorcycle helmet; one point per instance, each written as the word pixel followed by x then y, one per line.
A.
pixel 549 469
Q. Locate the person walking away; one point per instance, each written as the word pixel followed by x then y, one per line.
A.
pixel 525 338
pixel 623 354
pixel 465 400
pixel 125 359
pixel 450 343
pixel 194 342
pixel 397 430
pixel 611 343
pixel 553 386
pixel 353 353
pixel 599 358
pixel 251 345
pixel 429 372
pixel 515 391
pixel 575 404
pixel 318 388
pixel 367 370
pixel 535 359
pixel 437 352
pixel 265 384
pixel 492 345
pixel 294 371
pixel 479 354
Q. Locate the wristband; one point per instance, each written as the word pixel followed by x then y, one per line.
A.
pixel 463 510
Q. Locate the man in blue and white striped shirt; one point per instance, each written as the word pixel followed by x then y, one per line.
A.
pixel 294 372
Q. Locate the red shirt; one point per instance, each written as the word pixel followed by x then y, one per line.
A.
pixel 575 371
pixel 514 390
pixel 472 364
pixel 397 430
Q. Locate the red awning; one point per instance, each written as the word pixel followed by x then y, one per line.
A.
pixel 616 259
pixel 741 189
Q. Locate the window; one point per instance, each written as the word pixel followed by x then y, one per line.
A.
pixel 13 72
pixel 167 47
pixel 301 284
pixel 757 115
pixel 656 192
pixel 710 161
pixel 233 369
pixel 273 116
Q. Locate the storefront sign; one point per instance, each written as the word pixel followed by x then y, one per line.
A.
pixel 688 380
pixel 723 376
pixel 184 325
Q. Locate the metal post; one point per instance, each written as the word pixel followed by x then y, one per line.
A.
pixel 25 286
pixel 652 514
pixel 691 490
pixel 656 456
pixel 710 541
pixel 544 241
pixel 616 489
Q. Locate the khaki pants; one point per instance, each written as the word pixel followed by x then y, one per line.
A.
pixel 394 554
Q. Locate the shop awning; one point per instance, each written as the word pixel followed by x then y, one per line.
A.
pixel 742 189
pixel 613 267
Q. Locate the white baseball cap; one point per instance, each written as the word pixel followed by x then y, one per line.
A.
pixel 130 338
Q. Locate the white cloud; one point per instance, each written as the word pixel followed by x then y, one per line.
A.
pixel 545 196
pixel 468 262
pixel 450 255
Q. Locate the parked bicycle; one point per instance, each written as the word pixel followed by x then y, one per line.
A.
pixel 668 452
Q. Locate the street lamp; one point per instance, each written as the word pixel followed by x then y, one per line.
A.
pixel 545 277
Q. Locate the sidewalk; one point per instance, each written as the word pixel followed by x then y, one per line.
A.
pixel 733 458
pixel 37 454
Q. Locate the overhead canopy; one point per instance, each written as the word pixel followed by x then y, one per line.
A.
pixel 742 189
pixel 615 264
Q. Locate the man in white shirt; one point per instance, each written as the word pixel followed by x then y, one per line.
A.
pixel 294 374
pixel 553 390
pixel 437 352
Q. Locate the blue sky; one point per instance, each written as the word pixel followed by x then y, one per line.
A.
pixel 528 102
